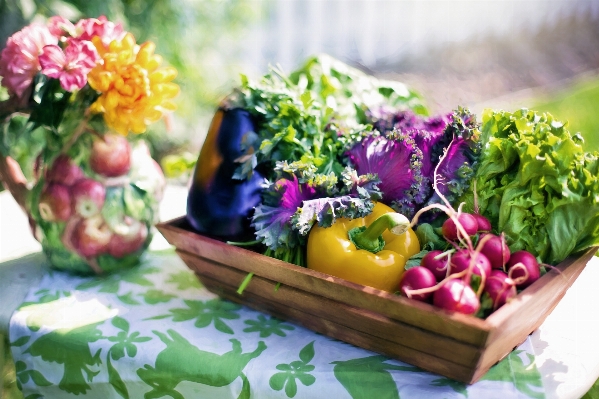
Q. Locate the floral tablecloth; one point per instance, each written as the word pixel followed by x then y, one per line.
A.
pixel 155 332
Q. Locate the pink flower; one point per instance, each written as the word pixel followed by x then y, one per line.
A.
pixel 71 66
pixel 101 27
pixel 60 26
pixel 19 60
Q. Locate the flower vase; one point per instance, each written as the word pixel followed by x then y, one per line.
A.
pixel 92 207
pixel 80 95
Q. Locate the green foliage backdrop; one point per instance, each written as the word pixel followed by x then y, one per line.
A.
pixel 577 104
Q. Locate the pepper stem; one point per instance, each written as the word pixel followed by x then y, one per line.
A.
pixel 371 238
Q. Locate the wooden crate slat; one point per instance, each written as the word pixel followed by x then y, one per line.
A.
pixel 458 326
pixel 530 308
pixel 355 318
pixel 327 327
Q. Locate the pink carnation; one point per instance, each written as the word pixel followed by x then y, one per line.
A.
pixel 101 27
pixel 71 66
pixel 60 26
pixel 19 60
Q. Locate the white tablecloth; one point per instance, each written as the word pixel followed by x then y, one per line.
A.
pixel 565 347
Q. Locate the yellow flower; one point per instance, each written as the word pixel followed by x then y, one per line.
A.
pixel 135 91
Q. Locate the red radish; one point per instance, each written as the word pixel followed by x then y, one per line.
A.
pixel 500 288
pixel 523 268
pixel 495 249
pixel 457 296
pixel 484 226
pixel 414 279
pixel 468 222
pixel 437 266
pixel 461 260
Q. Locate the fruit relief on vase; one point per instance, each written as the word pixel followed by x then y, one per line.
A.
pixel 96 213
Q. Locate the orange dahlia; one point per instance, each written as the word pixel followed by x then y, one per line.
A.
pixel 135 90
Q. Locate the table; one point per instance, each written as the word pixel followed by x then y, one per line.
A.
pixel 155 331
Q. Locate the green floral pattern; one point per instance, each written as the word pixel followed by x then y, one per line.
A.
pixel 267 326
pixel 296 370
pixel 154 332
pixel 124 345
pixel 184 280
pixel 205 313
pixel 23 376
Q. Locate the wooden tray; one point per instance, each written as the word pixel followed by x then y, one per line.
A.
pixel 454 345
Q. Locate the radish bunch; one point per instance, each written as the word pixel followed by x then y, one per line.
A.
pixel 457 279
pixel 476 264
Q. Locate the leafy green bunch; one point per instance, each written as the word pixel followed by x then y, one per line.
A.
pixel 312 114
pixel 537 185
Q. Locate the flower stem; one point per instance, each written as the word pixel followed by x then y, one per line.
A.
pixel 244 243
pixel 13 106
pixel 78 131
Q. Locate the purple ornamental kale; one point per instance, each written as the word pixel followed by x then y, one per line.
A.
pixel 301 197
pixel 461 140
pixel 387 119
pixel 408 151
pixel 427 132
pixel 397 161
pixel 271 218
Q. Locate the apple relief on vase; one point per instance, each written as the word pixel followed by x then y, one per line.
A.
pixel 95 208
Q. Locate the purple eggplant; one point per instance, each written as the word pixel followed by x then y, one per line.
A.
pixel 219 204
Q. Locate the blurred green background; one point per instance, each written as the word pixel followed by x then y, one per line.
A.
pixel 578 103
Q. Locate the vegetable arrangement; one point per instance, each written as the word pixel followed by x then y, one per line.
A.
pixel 340 172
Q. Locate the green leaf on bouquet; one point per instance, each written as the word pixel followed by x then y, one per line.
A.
pixel 50 102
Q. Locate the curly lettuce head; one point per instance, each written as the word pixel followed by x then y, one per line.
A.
pixel 537 185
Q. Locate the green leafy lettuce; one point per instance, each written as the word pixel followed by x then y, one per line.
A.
pixel 537 185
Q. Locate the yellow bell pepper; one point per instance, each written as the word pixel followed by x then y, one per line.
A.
pixel 386 242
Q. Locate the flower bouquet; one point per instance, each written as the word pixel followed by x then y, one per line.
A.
pixel 78 91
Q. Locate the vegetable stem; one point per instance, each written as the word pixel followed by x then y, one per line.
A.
pixel 371 239
pixel 244 243
pixel 245 283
